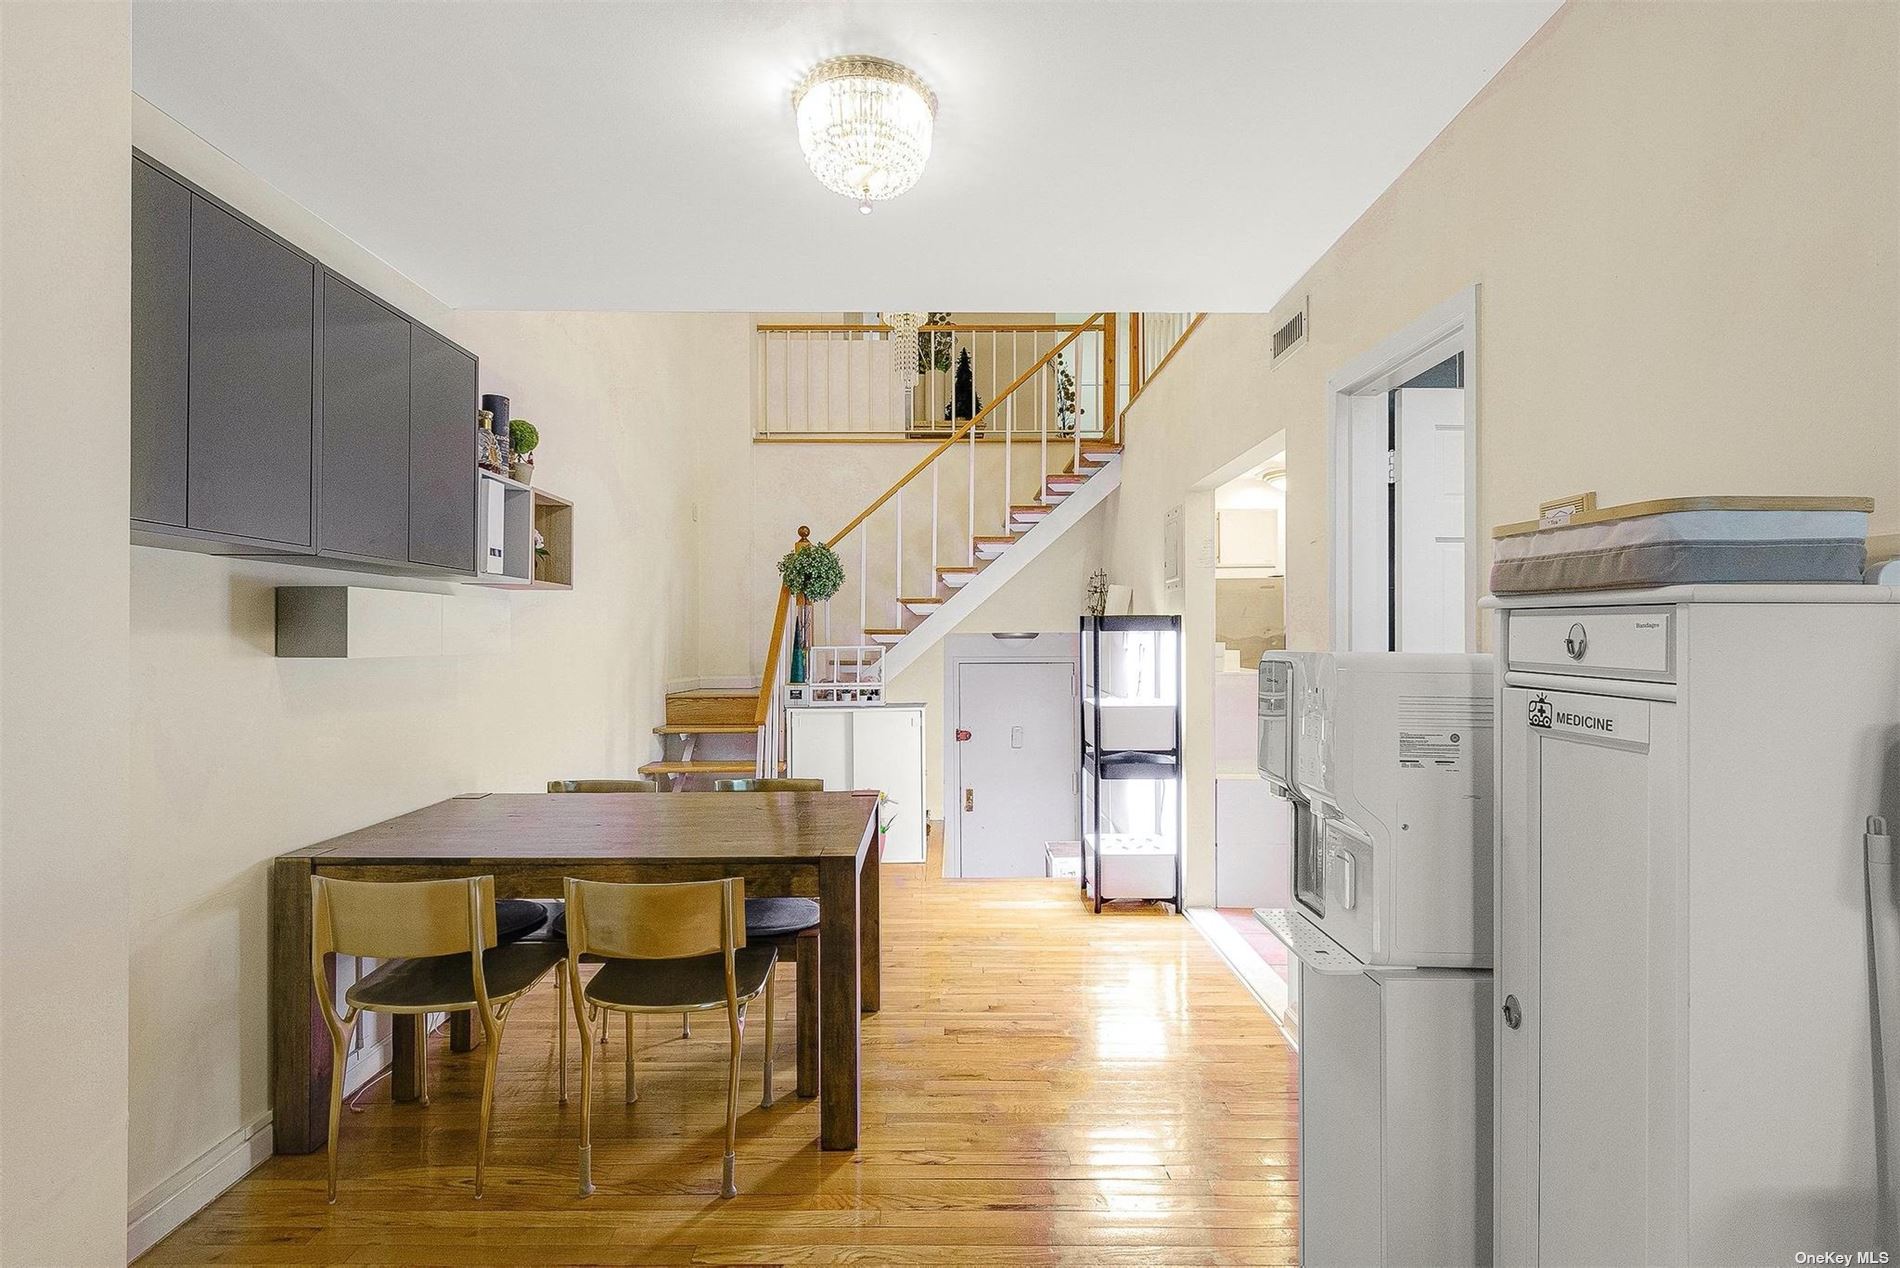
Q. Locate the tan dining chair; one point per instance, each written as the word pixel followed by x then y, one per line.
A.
pixel 439 945
pixel 664 949
pixel 768 785
pixel 601 785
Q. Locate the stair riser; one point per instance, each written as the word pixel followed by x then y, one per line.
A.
pixel 710 710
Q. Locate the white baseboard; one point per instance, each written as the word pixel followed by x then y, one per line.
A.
pixel 715 683
pixel 193 1187
pixel 198 1183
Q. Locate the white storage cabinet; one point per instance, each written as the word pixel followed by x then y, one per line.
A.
pixel 879 747
pixel 1684 1054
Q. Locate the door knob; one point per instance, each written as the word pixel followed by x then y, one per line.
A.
pixel 969 799
pixel 1513 1015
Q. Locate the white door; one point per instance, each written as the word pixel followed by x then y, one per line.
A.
pixel 1429 567
pixel 887 753
pixel 1585 864
pixel 1016 772
pixel 1253 844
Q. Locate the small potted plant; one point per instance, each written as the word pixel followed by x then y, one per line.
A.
pixel 813 573
pixel 522 438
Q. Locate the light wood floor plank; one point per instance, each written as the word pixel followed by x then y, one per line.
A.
pixel 1042 1087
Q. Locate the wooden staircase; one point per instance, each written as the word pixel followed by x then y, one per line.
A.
pixel 709 734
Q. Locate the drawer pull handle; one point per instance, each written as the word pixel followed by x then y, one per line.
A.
pixel 1577 642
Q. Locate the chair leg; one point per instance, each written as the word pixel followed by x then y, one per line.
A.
pixel 422 1061
pixel 806 949
pixel 771 989
pixel 730 1188
pixel 686 1025
pixel 491 1038
pixel 560 1025
pixel 581 1014
pixel 633 1093
pixel 339 1039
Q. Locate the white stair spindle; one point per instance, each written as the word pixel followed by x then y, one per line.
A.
pixel 972 511
pixel 864 581
pixel 1042 421
pixel 935 537
pixel 897 570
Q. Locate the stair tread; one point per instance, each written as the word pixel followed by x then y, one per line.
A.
pixel 713 693
pixel 931 598
pixel 880 630
pixel 1037 508
pixel 992 538
pixel 707 728
pixel 698 768
pixel 960 568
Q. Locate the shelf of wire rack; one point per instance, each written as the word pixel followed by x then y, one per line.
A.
pixel 1130 759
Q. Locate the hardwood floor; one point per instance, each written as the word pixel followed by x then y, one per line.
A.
pixel 1042 1087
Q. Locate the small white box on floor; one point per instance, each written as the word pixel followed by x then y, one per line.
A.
pixel 1063 859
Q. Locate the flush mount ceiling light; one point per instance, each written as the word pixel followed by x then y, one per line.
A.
pixel 864 124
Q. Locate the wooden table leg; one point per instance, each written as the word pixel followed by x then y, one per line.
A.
pixel 870 957
pixel 405 1066
pixel 463 1034
pixel 805 947
pixel 299 1042
pixel 838 1020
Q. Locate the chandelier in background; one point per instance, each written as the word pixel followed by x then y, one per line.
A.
pixel 864 124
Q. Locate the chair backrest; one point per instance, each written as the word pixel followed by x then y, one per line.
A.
pixel 768 785
pixel 655 922
pixel 394 920
pixel 601 785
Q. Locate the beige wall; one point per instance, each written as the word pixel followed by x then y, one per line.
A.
pixel 237 755
pixel 1681 220
pixel 65 304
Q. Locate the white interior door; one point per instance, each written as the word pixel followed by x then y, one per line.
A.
pixel 1429 567
pixel 1016 772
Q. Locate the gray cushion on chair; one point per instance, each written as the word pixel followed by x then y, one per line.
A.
pixel 448 981
pixel 779 917
pixel 667 984
pixel 516 918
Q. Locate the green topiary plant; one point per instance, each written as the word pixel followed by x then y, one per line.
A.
pixel 523 437
pixel 811 571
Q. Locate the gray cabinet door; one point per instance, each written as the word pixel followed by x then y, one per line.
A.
pixel 442 406
pixel 363 485
pixel 252 362
pixel 161 317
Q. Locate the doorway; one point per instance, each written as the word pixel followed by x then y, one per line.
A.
pixel 1404 440
pixel 1015 759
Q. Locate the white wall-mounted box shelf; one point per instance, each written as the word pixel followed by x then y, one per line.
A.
pixel 362 623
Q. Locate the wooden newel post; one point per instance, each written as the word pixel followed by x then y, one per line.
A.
pixel 801 622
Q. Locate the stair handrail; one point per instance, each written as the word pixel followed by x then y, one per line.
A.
pixel 768 680
pixel 1094 321
pixel 1139 379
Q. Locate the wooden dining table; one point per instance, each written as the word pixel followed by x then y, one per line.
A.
pixel 821 845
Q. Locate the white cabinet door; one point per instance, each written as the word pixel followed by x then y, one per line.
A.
pixel 1585 1160
pixel 818 745
pixel 887 753
pixel 1253 845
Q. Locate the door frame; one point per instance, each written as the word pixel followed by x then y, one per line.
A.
pixel 1447 329
pixel 992 649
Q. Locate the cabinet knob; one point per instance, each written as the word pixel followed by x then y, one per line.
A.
pixel 1513 1015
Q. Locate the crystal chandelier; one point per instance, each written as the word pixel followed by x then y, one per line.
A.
pixel 864 124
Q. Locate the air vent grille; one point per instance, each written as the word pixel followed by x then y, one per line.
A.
pixel 1290 335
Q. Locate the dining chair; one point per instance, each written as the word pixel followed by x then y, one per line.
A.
pixel 439 941
pixel 665 948
pixel 602 785
pixel 779 784
pixel 791 925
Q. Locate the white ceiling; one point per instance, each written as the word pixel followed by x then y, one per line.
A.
pixel 620 155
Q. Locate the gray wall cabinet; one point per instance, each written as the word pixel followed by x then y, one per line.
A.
pixel 279 409
pixel 363 504
pixel 442 409
pixel 161 310
pixel 253 393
